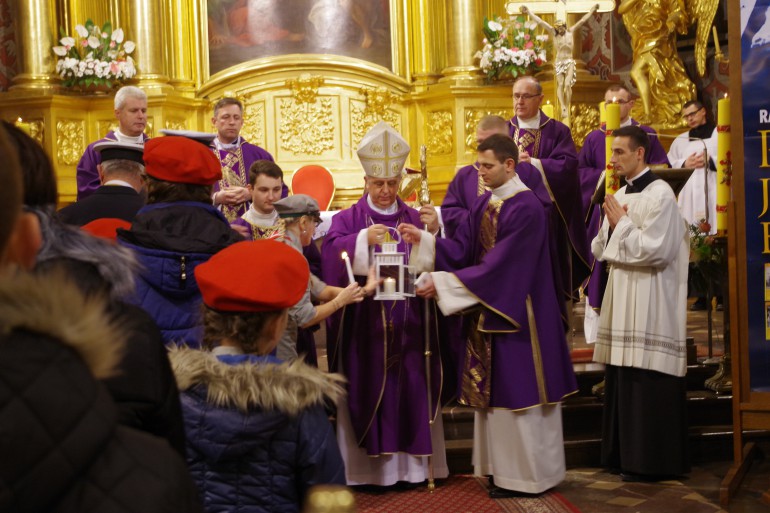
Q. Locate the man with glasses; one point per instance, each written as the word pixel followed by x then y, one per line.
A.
pixel 696 149
pixel 591 164
pixel 547 146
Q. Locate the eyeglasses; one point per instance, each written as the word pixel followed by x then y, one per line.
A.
pixel 519 97
pixel 688 116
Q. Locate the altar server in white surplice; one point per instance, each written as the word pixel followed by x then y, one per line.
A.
pixel 641 337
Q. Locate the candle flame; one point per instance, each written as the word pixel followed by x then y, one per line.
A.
pixel 19 120
pixel 725 95
pixel 344 255
pixel 548 102
pixel 614 99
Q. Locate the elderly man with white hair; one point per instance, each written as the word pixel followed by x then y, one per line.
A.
pixel 131 113
pixel 390 421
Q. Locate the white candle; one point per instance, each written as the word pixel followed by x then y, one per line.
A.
pixel 389 286
pixel 346 258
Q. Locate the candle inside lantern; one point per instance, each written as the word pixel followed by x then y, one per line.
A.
pixel 612 115
pixel 349 267
pixel 724 163
pixel 24 127
pixel 389 286
pixel 548 109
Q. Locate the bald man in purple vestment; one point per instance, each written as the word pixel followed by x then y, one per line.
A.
pixel 546 145
pixel 591 164
pixel 496 270
pixel 231 194
pixel 384 427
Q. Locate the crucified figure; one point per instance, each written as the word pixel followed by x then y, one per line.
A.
pixel 563 63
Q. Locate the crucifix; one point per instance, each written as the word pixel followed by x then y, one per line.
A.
pixel 567 40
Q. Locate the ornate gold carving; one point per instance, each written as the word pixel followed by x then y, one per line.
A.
pixel 378 101
pixel 254 122
pixel 440 132
pixel 307 122
pixel 472 118
pixel 37 130
pixel 175 124
pixel 70 140
pixel 585 119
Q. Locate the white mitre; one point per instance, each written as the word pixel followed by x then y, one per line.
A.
pixel 383 152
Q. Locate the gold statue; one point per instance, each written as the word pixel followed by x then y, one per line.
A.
pixel 658 72
pixel 564 62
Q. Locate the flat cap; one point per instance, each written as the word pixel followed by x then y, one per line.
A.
pixel 275 277
pixel 106 228
pixel 181 160
pixel 117 150
pixel 297 205
pixel 205 138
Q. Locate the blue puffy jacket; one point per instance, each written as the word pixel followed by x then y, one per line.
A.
pixel 171 240
pixel 257 434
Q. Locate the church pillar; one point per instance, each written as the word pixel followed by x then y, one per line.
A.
pixel 463 39
pixel 428 53
pixel 36 28
pixel 147 32
pixel 184 55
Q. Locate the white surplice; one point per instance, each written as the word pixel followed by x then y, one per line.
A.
pixel 643 317
pixel 692 197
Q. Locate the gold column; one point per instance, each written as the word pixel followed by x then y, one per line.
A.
pixel 463 39
pixel 147 29
pixel 183 44
pixel 426 18
pixel 36 28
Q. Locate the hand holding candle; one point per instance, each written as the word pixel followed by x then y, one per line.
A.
pixel 349 267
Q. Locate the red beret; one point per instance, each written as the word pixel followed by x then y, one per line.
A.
pixel 181 160
pixel 106 227
pixel 253 276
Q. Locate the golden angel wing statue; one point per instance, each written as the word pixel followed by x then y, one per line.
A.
pixel 702 12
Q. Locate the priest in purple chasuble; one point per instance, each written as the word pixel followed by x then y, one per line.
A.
pixel 547 145
pixel 131 114
pixel 496 270
pixel 591 165
pixel 384 426
pixel 231 194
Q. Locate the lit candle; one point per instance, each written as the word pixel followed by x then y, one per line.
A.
pixel 24 127
pixel 548 109
pixel 349 267
pixel 724 163
pixel 602 113
pixel 612 114
pixel 389 286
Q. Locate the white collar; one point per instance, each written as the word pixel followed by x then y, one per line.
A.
pixel 509 188
pixel 261 220
pixel 531 123
pixel 120 136
pixel 632 180
pixel 118 182
pixel 627 122
pixel 227 146
pixel 387 211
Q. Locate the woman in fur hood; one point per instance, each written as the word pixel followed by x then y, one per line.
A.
pixel 257 434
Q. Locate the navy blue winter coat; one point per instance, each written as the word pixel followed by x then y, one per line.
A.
pixel 257 434
pixel 171 240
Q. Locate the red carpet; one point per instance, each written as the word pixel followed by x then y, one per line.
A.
pixel 457 494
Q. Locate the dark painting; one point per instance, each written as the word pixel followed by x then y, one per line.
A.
pixel 242 30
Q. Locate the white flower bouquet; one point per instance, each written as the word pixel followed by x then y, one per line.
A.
pixel 511 47
pixel 99 56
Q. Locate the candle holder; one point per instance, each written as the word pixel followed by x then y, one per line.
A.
pixel 395 278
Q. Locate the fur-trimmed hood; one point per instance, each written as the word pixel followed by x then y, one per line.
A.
pixel 52 305
pixel 287 387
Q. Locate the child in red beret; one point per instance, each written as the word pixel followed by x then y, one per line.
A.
pixel 175 232
pixel 257 433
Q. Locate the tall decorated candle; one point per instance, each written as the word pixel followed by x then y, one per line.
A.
pixel 602 113
pixel 612 114
pixel 548 109
pixel 724 163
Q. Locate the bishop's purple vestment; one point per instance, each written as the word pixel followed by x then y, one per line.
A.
pixel 87 175
pixel 591 163
pixel 235 173
pixel 552 144
pixel 516 354
pixel 379 346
